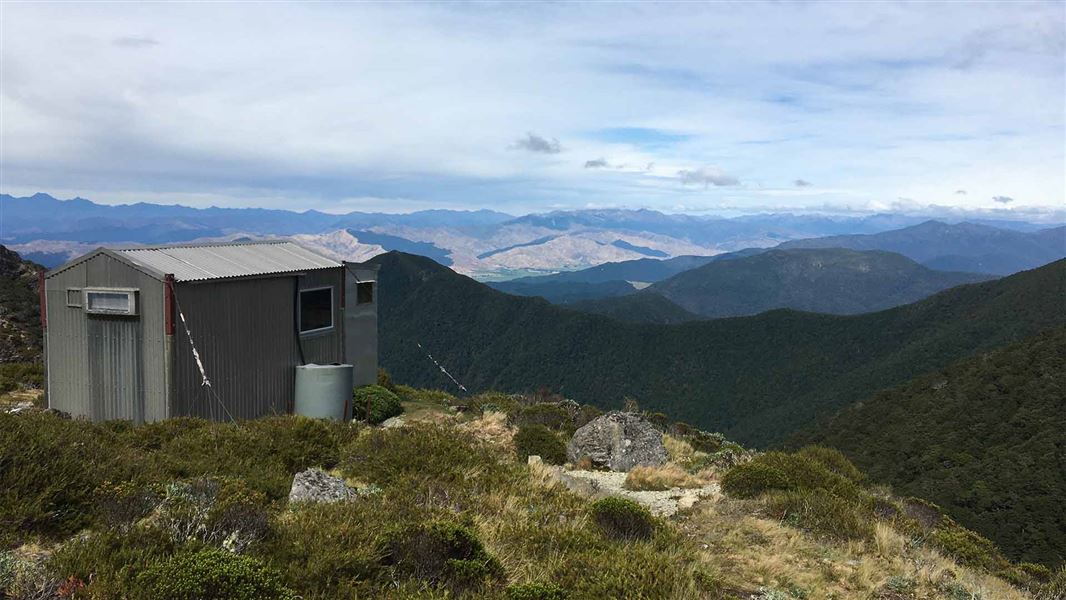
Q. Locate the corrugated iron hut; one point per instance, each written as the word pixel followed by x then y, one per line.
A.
pixel 132 333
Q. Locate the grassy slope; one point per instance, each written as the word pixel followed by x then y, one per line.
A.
pixel 758 379
pixel 983 438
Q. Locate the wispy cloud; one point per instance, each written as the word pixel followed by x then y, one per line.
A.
pixel 707 176
pixel 134 42
pixel 536 143
pixel 802 183
pixel 597 163
pixel 960 192
pixel 1002 199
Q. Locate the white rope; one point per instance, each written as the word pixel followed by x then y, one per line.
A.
pixel 442 370
pixel 195 355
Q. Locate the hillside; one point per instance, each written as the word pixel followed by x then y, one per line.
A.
pixel 831 280
pixel 20 327
pixel 637 308
pixel 565 292
pixel 967 247
pixel 758 379
pixel 446 505
pixel 983 438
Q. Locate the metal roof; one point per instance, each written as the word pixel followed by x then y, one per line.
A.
pixel 233 259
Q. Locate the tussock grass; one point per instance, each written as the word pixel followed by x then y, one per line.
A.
pixel 665 477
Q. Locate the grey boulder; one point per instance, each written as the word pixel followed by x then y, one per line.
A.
pixel 315 485
pixel 618 441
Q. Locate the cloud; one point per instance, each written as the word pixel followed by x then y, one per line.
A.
pixel 707 176
pixel 1002 199
pixel 598 163
pixel 536 143
pixel 133 41
pixel 960 192
pixel 802 183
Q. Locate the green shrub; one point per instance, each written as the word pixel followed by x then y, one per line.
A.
pixel 967 547
pixel 210 574
pixel 834 460
pixel 782 471
pixel 441 553
pixel 1056 588
pixel 703 441
pixel 751 479
pixel 552 416
pixel 374 404
pixel 622 519
pixel 536 591
pixel 423 395
pixel 23 375
pixel 540 441
pixel 821 513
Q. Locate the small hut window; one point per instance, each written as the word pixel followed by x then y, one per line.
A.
pixel 364 292
pixel 74 297
pixel 316 310
pixel 111 301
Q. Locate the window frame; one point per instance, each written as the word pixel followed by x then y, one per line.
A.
pixel 300 310
pixel 77 293
pixel 130 293
pixel 373 292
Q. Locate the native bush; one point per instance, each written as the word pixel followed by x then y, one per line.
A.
pixel 536 591
pixel 374 404
pixel 783 471
pixel 540 441
pixel 441 553
pixel 553 416
pixel 209 574
pixel 748 480
pixel 821 513
pixel 834 460
pixel 622 519
pixel 14 376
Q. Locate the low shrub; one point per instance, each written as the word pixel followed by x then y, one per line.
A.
pixel 374 404
pixel 441 553
pixel 536 591
pixel 540 441
pixel 422 395
pixel 553 416
pixel 668 476
pixel 782 471
pixel 1055 589
pixel 966 546
pixel 110 560
pixel 821 513
pixel 213 511
pixel 622 519
pixel 21 375
pixel 209 574
pixel 752 479
pixel 834 460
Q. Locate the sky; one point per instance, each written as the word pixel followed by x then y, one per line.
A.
pixel 712 108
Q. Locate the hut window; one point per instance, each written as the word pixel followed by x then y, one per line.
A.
pixel 316 309
pixel 364 292
pixel 74 297
pixel 110 301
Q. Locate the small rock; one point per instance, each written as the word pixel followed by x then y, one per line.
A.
pixel 533 460
pixel 392 422
pixel 315 485
pixel 618 441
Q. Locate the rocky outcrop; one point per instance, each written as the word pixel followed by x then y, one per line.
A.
pixel 315 485
pixel 618 441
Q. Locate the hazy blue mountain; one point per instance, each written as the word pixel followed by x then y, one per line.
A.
pixel 392 242
pixel 827 280
pixel 966 247
pixel 652 252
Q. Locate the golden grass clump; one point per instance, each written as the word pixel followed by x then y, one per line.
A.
pixel 668 476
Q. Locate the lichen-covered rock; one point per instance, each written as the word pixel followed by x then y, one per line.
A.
pixel 315 485
pixel 618 441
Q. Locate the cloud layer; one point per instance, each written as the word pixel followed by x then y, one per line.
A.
pixel 419 105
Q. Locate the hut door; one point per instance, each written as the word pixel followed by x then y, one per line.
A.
pixel 115 376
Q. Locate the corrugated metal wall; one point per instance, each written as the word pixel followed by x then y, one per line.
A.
pixel 361 327
pixel 244 330
pixel 106 367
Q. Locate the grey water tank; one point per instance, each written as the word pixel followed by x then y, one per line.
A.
pixel 324 391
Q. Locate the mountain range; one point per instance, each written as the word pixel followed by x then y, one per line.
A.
pixel 968 247
pixel 486 244
pixel 759 378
